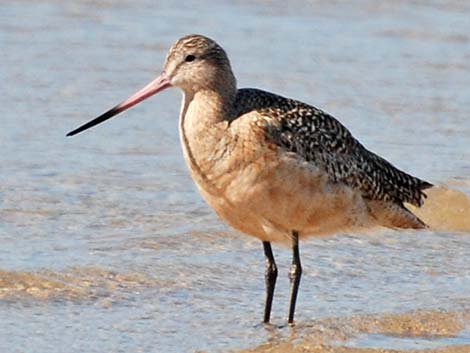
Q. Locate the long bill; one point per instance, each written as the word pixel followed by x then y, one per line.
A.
pixel 157 85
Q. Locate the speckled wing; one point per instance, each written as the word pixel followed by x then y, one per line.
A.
pixel 317 137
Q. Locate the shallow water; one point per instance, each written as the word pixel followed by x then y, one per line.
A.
pixel 106 245
pixel 378 341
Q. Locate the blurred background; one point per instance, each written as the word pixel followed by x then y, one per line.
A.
pixel 106 244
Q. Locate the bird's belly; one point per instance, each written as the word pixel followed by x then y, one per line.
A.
pixel 269 199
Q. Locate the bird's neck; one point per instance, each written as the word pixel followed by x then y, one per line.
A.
pixel 205 108
pixel 210 101
pixel 204 120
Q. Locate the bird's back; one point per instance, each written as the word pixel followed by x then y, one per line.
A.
pixel 318 138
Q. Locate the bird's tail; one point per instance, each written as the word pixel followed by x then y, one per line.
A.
pixel 392 215
pixel 444 209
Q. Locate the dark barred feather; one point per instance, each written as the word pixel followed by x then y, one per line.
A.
pixel 317 137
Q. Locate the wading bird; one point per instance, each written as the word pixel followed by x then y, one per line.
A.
pixel 272 167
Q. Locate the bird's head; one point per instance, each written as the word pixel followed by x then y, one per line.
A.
pixel 193 63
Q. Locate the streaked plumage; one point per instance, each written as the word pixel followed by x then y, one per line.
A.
pixel 273 167
pixel 318 138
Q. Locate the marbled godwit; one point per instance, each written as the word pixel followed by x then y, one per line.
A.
pixel 272 167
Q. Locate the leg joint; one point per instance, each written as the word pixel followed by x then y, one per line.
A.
pixel 295 271
pixel 271 270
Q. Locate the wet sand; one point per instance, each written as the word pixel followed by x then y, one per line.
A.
pixel 73 284
pixel 445 209
pixel 308 348
pixel 334 335
pixel 327 335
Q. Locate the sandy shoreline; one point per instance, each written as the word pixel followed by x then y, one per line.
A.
pixel 306 348
pixel 333 335
pixel 432 328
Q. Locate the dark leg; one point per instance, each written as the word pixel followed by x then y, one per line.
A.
pixel 294 275
pixel 270 277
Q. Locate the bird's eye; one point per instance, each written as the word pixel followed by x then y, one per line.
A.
pixel 189 58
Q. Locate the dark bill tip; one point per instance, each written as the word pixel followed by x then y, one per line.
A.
pixel 158 84
pixel 108 115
